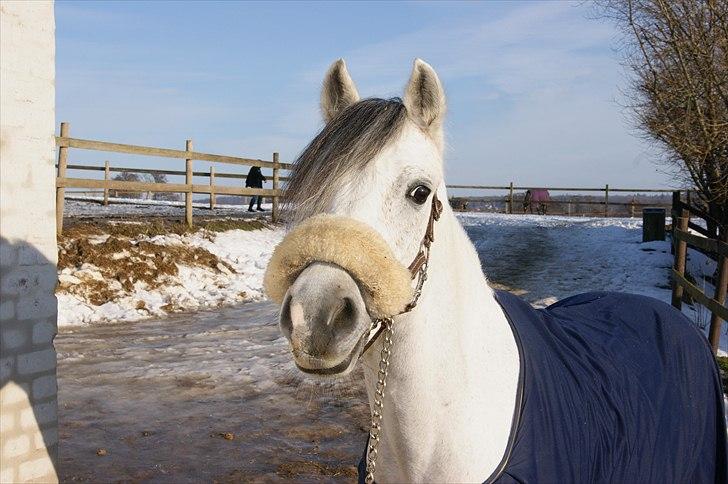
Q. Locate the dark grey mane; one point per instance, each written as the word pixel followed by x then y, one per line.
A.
pixel 345 145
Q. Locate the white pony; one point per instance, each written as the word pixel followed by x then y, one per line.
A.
pixel 452 388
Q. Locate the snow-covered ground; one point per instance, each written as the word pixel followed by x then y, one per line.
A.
pixel 545 259
pixel 91 207
pixel 244 254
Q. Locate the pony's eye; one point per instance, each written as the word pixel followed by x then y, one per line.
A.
pixel 419 194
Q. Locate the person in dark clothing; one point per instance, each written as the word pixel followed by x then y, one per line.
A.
pixel 255 179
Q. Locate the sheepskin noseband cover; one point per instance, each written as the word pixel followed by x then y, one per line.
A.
pixel 349 244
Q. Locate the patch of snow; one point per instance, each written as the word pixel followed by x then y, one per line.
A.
pixel 549 258
pixel 550 221
pixel 247 252
pixel 82 206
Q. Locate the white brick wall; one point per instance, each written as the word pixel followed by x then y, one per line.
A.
pixel 28 405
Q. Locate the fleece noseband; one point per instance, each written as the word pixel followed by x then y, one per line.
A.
pixel 358 249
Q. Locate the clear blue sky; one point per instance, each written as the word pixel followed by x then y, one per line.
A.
pixel 533 88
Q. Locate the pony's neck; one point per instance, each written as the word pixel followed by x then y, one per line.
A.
pixel 453 374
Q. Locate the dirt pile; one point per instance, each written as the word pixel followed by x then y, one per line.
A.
pixel 100 262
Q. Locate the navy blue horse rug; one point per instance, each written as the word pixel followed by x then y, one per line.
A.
pixel 613 388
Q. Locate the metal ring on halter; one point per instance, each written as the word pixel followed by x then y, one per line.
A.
pixel 418 268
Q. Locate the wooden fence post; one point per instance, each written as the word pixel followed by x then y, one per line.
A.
pixel 631 207
pixel 720 294
pixel 106 180
pixel 606 200
pixel 674 211
pixel 680 256
pixel 510 199
pixel 212 188
pixel 275 214
pixel 60 191
pixel 188 182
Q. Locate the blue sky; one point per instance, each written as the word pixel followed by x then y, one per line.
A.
pixel 533 88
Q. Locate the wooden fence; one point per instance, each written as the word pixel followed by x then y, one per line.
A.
pixel 510 199
pixel 64 142
pixel 714 246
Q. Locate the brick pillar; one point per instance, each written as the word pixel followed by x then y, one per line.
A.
pixel 28 404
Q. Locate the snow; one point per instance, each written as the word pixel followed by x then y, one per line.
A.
pixel 247 252
pixel 85 207
pixel 548 258
pixel 468 219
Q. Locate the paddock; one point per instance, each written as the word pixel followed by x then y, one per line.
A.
pixel 196 377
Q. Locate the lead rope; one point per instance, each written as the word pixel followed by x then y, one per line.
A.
pixel 378 412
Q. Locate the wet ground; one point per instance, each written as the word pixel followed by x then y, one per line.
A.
pixel 209 396
pixel 213 396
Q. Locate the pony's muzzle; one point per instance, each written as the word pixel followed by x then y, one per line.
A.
pixel 324 317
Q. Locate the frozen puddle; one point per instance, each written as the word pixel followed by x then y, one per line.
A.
pixel 159 396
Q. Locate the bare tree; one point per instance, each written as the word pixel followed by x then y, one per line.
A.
pixel 130 177
pixel 677 51
pixel 162 178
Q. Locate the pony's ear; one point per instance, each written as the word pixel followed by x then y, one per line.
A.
pixel 338 91
pixel 424 99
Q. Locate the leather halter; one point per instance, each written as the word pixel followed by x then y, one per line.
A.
pixel 416 266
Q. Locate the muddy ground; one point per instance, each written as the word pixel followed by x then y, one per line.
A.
pixel 203 397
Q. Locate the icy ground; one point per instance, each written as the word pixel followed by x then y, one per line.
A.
pixel 545 259
pixel 160 396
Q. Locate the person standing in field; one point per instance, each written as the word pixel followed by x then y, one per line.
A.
pixel 255 179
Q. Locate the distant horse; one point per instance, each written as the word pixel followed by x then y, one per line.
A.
pixel 539 196
pixel 466 383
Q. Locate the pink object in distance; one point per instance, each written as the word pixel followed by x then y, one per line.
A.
pixel 540 195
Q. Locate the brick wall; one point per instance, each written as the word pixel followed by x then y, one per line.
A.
pixel 28 405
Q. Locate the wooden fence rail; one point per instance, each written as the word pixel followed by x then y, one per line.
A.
pixel 152 171
pixel 64 142
pixel 682 238
pixel 511 197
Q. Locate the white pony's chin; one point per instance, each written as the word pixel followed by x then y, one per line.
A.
pixel 326 369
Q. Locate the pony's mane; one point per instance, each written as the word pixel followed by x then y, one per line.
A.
pixel 345 145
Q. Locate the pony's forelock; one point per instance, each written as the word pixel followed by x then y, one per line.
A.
pixel 344 146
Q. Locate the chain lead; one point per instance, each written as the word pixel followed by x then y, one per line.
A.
pixel 378 412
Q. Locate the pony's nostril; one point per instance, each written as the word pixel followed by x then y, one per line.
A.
pixel 285 318
pixel 345 317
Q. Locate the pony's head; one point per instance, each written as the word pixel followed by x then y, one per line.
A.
pixel 360 199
